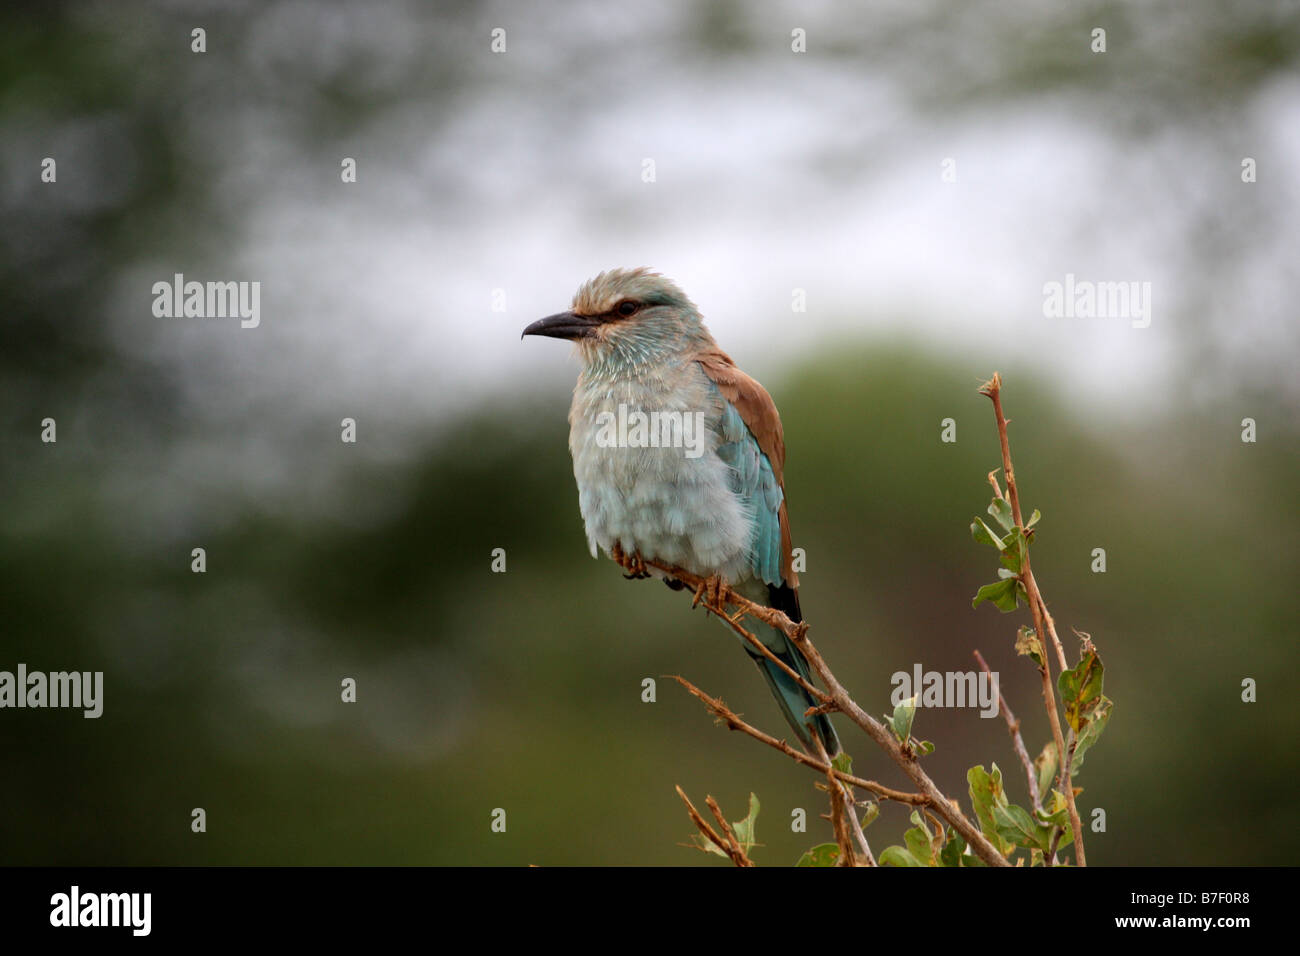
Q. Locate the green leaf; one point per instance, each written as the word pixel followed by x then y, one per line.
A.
pixel 983 534
pixel 919 846
pixel 701 842
pixel 1015 825
pixel 986 794
pixel 924 747
pixel 1046 765
pixel 1033 519
pixel 900 721
pixel 1028 645
pixel 870 810
pixel 1015 546
pixel 953 849
pixel 842 762
pixel 824 854
pixel 1001 593
pixel 1091 732
pixel 920 842
pixel 1081 688
pixel 745 828
pixel 1055 812
pixel 1000 509
pixel 897 856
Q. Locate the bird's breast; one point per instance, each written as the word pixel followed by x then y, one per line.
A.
pixel 649 476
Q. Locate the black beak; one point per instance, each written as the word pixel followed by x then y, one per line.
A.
pixel 563 325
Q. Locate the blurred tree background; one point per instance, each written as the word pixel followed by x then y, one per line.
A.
pixel 522 171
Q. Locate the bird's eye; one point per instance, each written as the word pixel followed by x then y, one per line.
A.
pixel 627 307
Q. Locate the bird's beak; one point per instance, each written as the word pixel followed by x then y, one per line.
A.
pixel 563 325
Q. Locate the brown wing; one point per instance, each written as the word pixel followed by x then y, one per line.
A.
pixel 758 412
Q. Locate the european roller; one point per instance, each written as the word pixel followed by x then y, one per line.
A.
pixel 679 458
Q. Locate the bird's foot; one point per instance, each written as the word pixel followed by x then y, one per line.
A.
pixel 632 563
pixel 710 592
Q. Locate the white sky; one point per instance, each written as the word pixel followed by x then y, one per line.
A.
pixel 773 172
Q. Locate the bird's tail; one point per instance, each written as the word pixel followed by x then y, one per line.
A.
pixel 793 699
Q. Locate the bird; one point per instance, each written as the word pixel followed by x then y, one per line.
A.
pixel 711 502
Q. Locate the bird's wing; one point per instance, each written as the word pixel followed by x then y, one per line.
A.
pixel 754 446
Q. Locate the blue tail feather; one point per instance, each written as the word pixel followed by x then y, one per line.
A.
pixel 793 699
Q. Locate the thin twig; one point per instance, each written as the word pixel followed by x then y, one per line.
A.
pixel 844 815
pixel 745 607
pixel 867 855
pixel 727 831
pixel 702 824
pixel 1042 619
pixel 930 794
pixel 733 850
pixel 840 826
pixel 906 760
pixel 735 722
pixel 993 480
pixel 1017 742
pixel 1050 858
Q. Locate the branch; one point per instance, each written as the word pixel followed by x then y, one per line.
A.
pixel 884 738
pixel 734 722
pixel 861 837
pixel 729 833
pixel 1017 742
pixel 905 758
pixel 716 595
pixel 844 815
pixel 1042 619
pixel 731 847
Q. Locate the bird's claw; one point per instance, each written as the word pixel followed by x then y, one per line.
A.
pixel 710 592
pixel 632 563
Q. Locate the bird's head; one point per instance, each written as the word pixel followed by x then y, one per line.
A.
pixel 627 316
